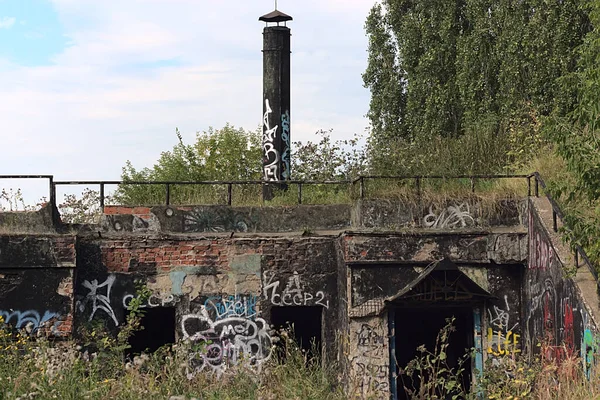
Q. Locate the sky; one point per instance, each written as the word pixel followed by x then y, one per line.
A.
pixel 87 84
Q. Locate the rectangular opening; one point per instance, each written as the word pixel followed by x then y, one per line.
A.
pixel 159 330
pixel 304 322
pixel 420 326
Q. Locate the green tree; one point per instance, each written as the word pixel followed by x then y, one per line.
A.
pixel 577 139
pixel 217 154
pixel 328 159
pixel 446 69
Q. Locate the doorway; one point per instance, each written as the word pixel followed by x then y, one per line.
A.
pixel 305 324
pixel 420 326
pixel 159 330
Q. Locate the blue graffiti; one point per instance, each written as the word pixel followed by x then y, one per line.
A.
pixel 285 138
pixel 29 320
pixel 232 306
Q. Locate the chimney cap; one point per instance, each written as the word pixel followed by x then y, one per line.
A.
pixel 275 16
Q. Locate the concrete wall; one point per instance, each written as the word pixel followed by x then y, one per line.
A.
pixel 223 279
pixel 228 284
pixel 36 283
pixel 199 219
pixel 452 213
pixel 559 322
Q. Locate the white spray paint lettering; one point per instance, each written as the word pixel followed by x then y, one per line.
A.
pixel 99 301
pixel 458 216
pixel 271 169
pixel 293 294
pixel 230 341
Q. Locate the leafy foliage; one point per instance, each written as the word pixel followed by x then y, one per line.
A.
pixel 328 159
pixel 225 154
pixel 577 140
pixel 456 67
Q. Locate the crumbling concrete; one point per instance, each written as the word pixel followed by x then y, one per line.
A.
pixel 224 277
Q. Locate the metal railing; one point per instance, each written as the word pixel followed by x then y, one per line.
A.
pixel 168 185
pixel 557 214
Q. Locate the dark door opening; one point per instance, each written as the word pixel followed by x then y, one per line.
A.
pixel 305 322
pixel 420 326
pixel 159 330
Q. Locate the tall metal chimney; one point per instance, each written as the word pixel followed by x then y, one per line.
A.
pixel 276 101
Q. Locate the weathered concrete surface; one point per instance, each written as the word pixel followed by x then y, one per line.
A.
pixel 216 267
pixel 369 358
pixel 202 219
pixel 502 247
pixel 561 300
pixel 40 221
pixel 36 283
pixel 450 214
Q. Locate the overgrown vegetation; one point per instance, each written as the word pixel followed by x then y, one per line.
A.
pixel 95 368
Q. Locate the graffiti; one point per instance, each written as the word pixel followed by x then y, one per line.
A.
pixel 216 220
pixel 501 344
pixel 541 254
pixel 568 333
pixel 285 138
pixel 152 301
pixel 369 366
pixel 293 294
pixel 369 341
pixel 224 343
pixel 541 313
pixel 232 306
pixel 589 348
pixel 452 217
pixel 368 336
pixel 30 320
pixel 501 339
pixel 374 377
pixel 271 155
pixel 500 318
pixel 99 301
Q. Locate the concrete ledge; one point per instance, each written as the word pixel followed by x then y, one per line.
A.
pixel 199 219
pixel 450 214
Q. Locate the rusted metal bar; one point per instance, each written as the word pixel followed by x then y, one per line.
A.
pixel 102 197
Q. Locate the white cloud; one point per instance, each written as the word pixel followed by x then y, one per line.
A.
pixel 7 22
pixel 96 105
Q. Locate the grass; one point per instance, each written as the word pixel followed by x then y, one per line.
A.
pixel 35 368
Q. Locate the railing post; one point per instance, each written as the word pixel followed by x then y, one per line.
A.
pixel 52 199
pixel 362 187
pixel 576 258
pixel 554 222
pixel 537 187
pixel 299 193
pixel 529 186
pixel 472 185
pixel 102 197
pixel 229 191
pixel 168 193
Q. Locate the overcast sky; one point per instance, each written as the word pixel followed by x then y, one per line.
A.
pixel 87 84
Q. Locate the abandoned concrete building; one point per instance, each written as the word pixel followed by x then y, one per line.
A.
pixel 366 282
